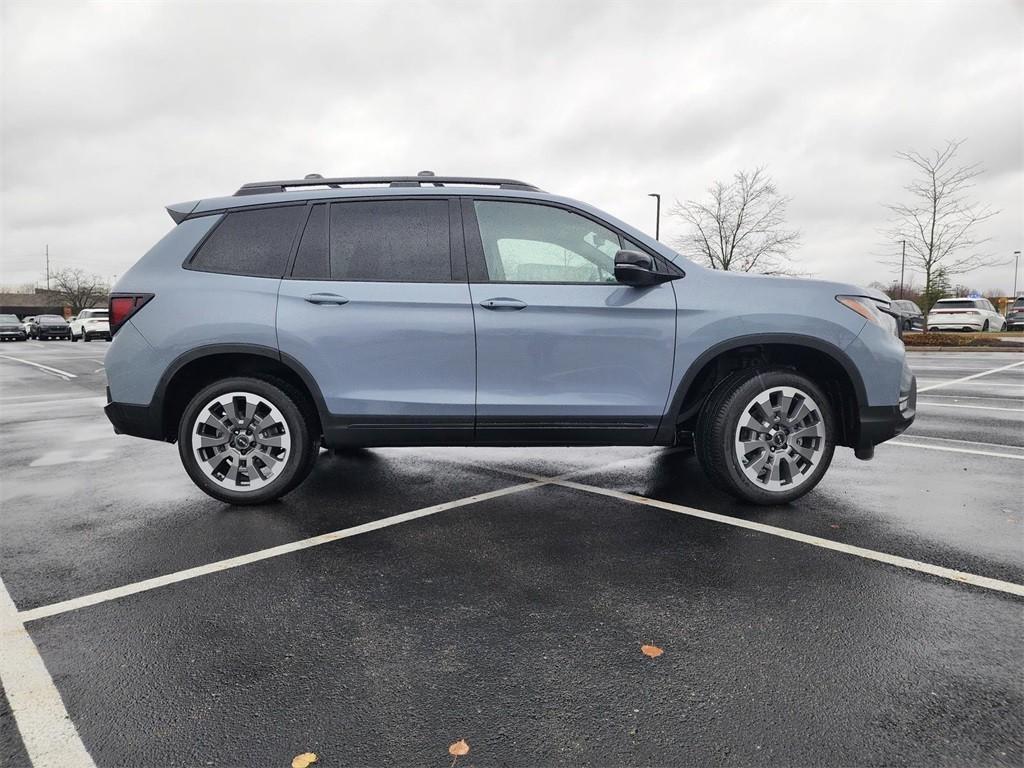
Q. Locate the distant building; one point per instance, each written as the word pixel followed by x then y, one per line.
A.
pixel 40 302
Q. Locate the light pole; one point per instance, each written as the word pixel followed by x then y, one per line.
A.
pixel 1016 264
pixel 657 215
pixel 903 266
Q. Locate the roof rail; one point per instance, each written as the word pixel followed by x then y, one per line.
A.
pixel 424 178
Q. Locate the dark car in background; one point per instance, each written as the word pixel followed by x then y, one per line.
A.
pixel 11 329
pixel 908 315
pixel 49 327
pixel 1015 317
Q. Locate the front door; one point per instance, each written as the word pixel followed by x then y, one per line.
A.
pixel 565 354
pixel 376 312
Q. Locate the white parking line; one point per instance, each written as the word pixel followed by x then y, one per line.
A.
pixel 63 374
pixel 49 736
pixel 106 595
pixel 974 407
pixel 957 440
pixel 816 541
pixel 951 449
pixel 1007 398
pixel 972 376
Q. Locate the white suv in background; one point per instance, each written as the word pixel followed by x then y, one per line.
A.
pixel 965 315
pixel 91 324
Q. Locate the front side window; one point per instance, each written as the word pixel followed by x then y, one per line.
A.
pixel 255 242
pixel 390 241
pixel 529 243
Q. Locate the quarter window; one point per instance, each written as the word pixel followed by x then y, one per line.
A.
pixel 255 242
pixel 390 241
pixel 528 243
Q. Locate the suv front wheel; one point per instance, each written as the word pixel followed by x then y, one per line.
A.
pixel 766 436
pixel 245 440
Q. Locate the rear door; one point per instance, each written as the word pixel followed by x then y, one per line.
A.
pixel 565 354
pixel 375 310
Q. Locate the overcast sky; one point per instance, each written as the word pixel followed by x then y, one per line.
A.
pixel 110 111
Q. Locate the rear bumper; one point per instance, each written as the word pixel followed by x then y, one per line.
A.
pixel 134 420
pixel 947 324
pixel 879 423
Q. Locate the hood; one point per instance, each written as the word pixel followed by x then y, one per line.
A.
pixel 749 281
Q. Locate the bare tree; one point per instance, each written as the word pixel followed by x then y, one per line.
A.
pixel 740 226
pixel 939 223
pixel 77 289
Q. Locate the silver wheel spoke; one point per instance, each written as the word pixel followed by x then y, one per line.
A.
pixel 802 451
pixel 758 463
pixel 814 430
pixel 205 441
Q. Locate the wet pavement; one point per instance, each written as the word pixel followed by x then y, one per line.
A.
pixel 515 622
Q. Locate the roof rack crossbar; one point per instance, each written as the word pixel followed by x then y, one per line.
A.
pixel 265 187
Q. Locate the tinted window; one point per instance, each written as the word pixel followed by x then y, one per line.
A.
pixel 255 242
pixel 527 243
pixel 311 261
pixel 390 240
pixel 956 304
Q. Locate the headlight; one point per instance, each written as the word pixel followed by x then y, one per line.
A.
pixel 872 310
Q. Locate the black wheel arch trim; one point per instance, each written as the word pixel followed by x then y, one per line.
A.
pixel 157 403
pixel 668 426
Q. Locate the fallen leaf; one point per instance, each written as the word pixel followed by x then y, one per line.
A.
pixel 833 525
pixel 459 748
pixel 651 650
pixel 304 760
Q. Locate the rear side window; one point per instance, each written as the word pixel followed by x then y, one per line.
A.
pixel 390 241
pixel 256 242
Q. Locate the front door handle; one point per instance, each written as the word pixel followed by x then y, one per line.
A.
pixel 503 303
pixel 326 298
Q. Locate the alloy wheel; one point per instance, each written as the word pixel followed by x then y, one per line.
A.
pixel 241 441
pixel 780 438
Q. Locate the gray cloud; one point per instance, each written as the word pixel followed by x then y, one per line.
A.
pixel 111 111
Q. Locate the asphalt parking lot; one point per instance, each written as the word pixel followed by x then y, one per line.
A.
pixel 403 599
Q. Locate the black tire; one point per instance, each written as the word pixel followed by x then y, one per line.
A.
pixel 288 402
pixel 715 436
pixel 984 328
pixel 85 337
pixel 73 337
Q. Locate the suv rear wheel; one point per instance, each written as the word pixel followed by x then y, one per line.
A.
pixel 766 436
pixel 246 440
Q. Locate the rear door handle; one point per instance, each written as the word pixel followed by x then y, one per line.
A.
pixel 326 298
pixel 503 303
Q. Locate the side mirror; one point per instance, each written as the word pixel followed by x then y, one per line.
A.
pixel 638 269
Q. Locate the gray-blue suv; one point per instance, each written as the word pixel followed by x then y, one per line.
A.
pixel 422 311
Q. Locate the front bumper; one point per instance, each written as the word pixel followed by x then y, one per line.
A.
pixel 14 333
pixel 53 333
pixel 879 423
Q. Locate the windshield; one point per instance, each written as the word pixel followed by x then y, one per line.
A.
pixel 8 318
pixel 51 318
pixel 93 313
pixel 954 304
pixel 1018 304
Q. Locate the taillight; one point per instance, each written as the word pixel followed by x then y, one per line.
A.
pixel 123 305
